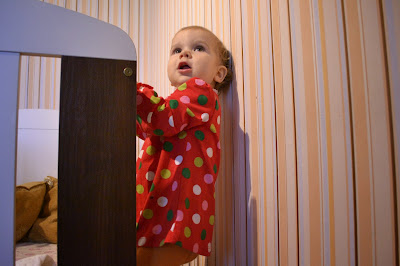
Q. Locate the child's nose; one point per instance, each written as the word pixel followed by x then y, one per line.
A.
pixel 185 53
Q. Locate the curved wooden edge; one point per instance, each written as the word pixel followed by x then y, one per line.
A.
pixel 31 26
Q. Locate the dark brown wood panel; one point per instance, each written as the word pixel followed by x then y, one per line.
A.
pixel 96 215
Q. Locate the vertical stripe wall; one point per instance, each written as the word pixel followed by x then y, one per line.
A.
pixel 310 173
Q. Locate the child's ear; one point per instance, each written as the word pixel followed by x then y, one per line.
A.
pixel 221 73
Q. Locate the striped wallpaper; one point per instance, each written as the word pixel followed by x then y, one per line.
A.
pixel 310 173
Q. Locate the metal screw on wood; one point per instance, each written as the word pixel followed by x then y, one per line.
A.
pixel 128 71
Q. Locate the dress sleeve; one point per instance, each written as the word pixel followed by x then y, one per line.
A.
pixel 191 104
pixel 139 132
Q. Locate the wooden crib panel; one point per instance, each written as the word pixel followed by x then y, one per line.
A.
pixel 97 162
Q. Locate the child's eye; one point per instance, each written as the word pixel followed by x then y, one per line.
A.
pixel 176 51
pixel 199 48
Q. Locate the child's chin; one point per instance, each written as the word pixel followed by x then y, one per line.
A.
pixel 181 81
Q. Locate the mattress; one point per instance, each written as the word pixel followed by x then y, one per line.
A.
pixel 25 250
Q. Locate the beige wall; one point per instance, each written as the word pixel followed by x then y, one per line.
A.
pixel 310 173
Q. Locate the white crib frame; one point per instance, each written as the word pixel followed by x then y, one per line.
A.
pixel 34 27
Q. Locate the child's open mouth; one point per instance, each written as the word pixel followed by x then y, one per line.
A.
pixel 183 67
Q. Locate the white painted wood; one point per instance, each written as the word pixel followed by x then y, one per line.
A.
pixel 37 152
pixel 32 26
pixel 9 66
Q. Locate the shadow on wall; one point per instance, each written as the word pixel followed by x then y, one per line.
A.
pixel 250 204
pixel 241 220
pixel 251 217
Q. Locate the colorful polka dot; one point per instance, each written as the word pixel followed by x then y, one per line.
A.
pixel 158 132
pixel 179 216
pixel 150 175
pixel 149 115
pixel 170 215
pixel 199 134
pixel 189 112
pixel 182 135
pixel 209 247
pixel 139 119
pixel 139 99
pixel 174 104
pixel 173 227
pixel 187 232
pixel 162 242
pixel 141 154
pixel 196 218
pixel 155 100
pixel 141 241
pixel 157 229
pixel 204 205
pixel 165 173
pixel 182 87
pixel 140 165
pixel 211 220
pixel 216 105
pixel 199 82
pixel 183 127
pixel 215 168
pixel 210 152
pixel 203 234
pixel 198 162
pixel 188 146
pixel 196 248
pixel 219 120
pixel 168 146
pixel 218 145
pixel 205 117
pixel 161 107
pixel 178 243
pixel 187 203
pixel 148 214
pixel 213 129
pixel 174 186
pixel 208 178
pixel 186 172
pixel 171 121
pixel 152 187
pixel 185 99
pixel 202 100
pixel 162 201
pixel 139 189
pixel 197 190
pixel 178 159
pixel 151 150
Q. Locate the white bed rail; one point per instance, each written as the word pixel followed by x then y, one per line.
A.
pixel 34 27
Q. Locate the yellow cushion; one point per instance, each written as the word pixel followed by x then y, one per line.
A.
pixel 29 201
pixel 45 227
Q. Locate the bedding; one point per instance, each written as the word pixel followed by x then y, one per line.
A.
pixel 30 253
pixel 44 229
pixel 36 222
pixel 29 201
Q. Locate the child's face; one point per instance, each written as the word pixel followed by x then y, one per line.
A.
pixel 194 54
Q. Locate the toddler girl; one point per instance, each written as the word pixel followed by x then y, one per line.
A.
pixel 179 161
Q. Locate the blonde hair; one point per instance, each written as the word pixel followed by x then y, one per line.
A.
pixel 224 55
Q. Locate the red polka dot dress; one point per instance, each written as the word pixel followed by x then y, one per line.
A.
pixel 177 166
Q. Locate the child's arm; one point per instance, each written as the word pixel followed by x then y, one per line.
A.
pixel 192 104
pixel 139 132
